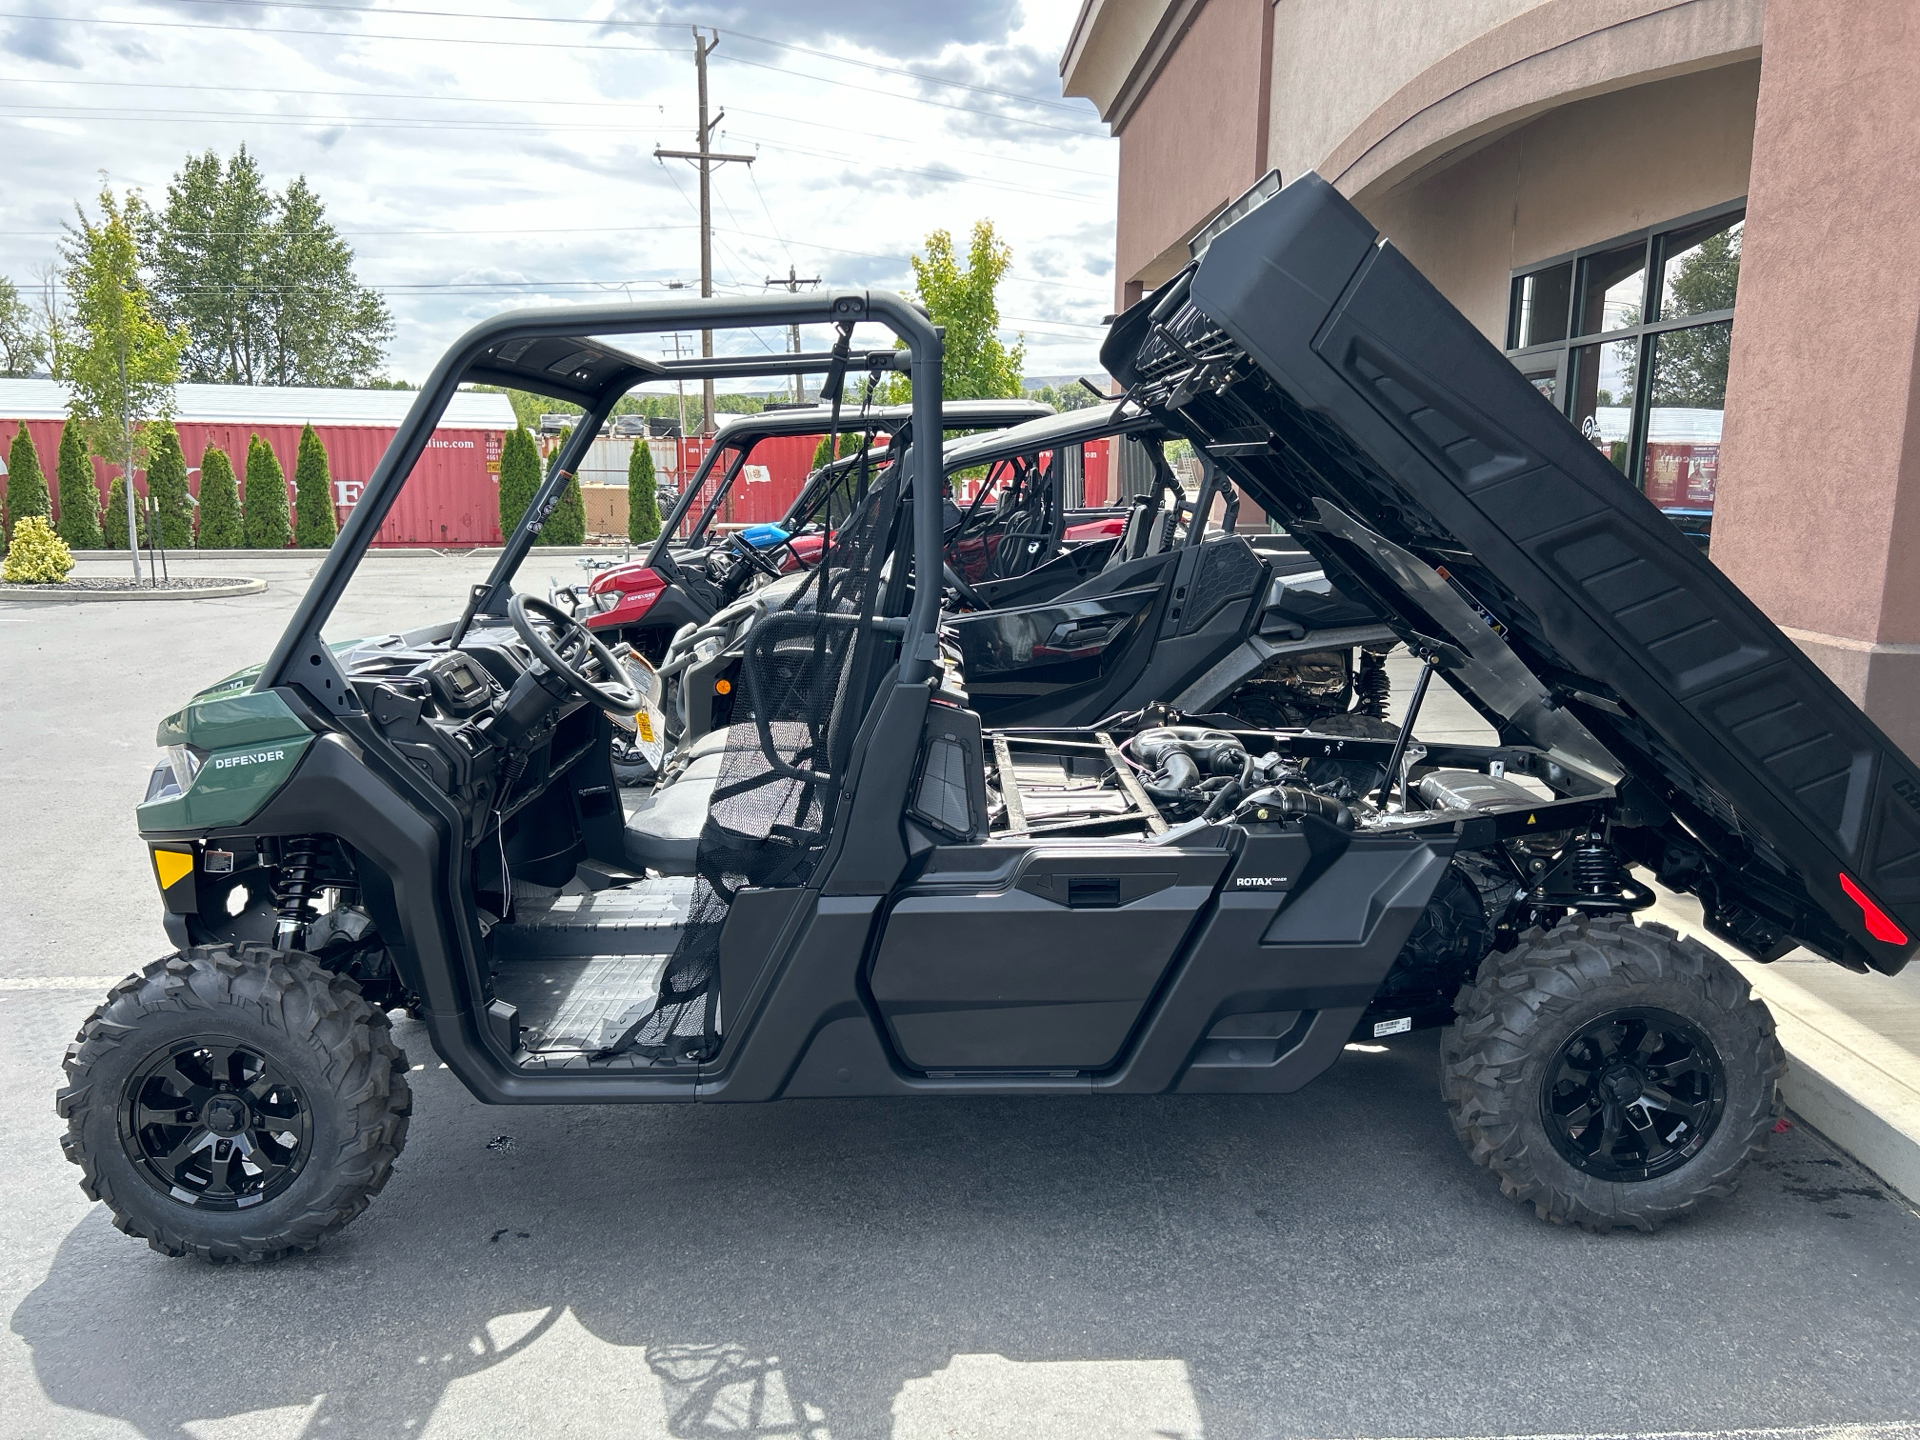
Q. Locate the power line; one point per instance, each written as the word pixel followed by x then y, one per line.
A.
pixel 534 45
pixel 612 24
pixel 562 232
pixel 543 104
pixel 951 177
pixel 348 122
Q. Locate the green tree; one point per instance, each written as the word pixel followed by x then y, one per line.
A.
pixel 313 523
pixel 825 452
pixel 1065 397
pixel 519 478
pixel 976 365
pixel 113 523
pixel 1690 366
pixel 119 361
pixel 25 486
pixel 80 498
pixel 265 516
pixel 23 344
pixel 262 282
pixel 328 328
pixel 221 527
pixel 167 486
pixel 568 523
pixel 643 510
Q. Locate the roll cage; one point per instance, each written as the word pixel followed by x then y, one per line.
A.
pixel 700 501
pixel 569 354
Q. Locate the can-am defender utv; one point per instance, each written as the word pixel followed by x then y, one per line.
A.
pixel 890 900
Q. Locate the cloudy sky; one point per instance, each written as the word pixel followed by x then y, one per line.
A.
pixel 482 160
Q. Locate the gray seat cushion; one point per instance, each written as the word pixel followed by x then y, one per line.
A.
pixel 664 832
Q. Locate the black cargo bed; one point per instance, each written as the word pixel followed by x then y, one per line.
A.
pixel 1322 369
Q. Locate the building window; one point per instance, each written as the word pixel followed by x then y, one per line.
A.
pixel 1630 340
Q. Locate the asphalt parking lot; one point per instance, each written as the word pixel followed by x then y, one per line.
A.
pixel 1322 1264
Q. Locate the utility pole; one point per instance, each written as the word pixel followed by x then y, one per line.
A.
pixel 793 282
pixel 706 158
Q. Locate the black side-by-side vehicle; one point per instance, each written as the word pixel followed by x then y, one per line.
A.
pixel 890 899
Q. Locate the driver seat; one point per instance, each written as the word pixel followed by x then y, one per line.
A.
pixel 663 833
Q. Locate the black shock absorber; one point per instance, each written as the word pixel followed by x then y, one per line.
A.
pixel 299 883
pixel 1372 686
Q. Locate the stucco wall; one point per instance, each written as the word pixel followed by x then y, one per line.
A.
pixel 1192 142
pixel 1577 175
pixel 1818 516
pixel 1334 61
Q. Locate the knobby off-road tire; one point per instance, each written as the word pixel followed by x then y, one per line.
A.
pixel 301 1047
pixel 1529 1009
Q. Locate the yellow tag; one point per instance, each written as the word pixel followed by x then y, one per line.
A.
pixel 170 866
pixel 643 723
pixel 1530 819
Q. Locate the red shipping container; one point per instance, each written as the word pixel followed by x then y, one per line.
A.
pixel 451 498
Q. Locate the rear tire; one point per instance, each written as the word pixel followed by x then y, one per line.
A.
pixel 1611 1073
pixel 234 1103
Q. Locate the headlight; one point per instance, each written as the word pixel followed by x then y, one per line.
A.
pixel 184 760
pixel 175 774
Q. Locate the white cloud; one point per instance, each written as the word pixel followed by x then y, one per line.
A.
pixel 461 154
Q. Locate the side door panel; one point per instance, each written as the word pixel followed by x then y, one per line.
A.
pixel 1043 960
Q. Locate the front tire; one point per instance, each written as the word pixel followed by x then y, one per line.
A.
pixel 1611 1073
pixel 234 1103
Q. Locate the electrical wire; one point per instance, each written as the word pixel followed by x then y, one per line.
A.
pixel 617 23
pixel 537 45
pixel 543 104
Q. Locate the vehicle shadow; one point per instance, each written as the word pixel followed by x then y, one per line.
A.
pixel 804 1269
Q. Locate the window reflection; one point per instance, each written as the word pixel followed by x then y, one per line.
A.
pixel 1546 381
pixel 1539 306
pixel 1643 370
pixel 1687 396
pixel 1601 382
pixel 1613 287
pixel 1700 267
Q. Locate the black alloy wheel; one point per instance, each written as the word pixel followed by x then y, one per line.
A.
pixel 1633 1095
pixel 235 1102
pixel 1611 1073
pixel 212 1123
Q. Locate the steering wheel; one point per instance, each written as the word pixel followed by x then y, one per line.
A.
pixel 966 592
pixel 573 649
pixel 751 554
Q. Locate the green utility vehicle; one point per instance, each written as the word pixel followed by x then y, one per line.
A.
pixel 857 889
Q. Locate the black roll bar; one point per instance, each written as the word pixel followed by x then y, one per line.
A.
pixel 477 351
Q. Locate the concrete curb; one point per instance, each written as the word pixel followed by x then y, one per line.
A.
pixel 1854 1086
pixel 53 595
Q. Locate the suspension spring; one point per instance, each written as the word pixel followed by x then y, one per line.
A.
pixel 299 883
pixel 1372 686
pixel 1596 868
